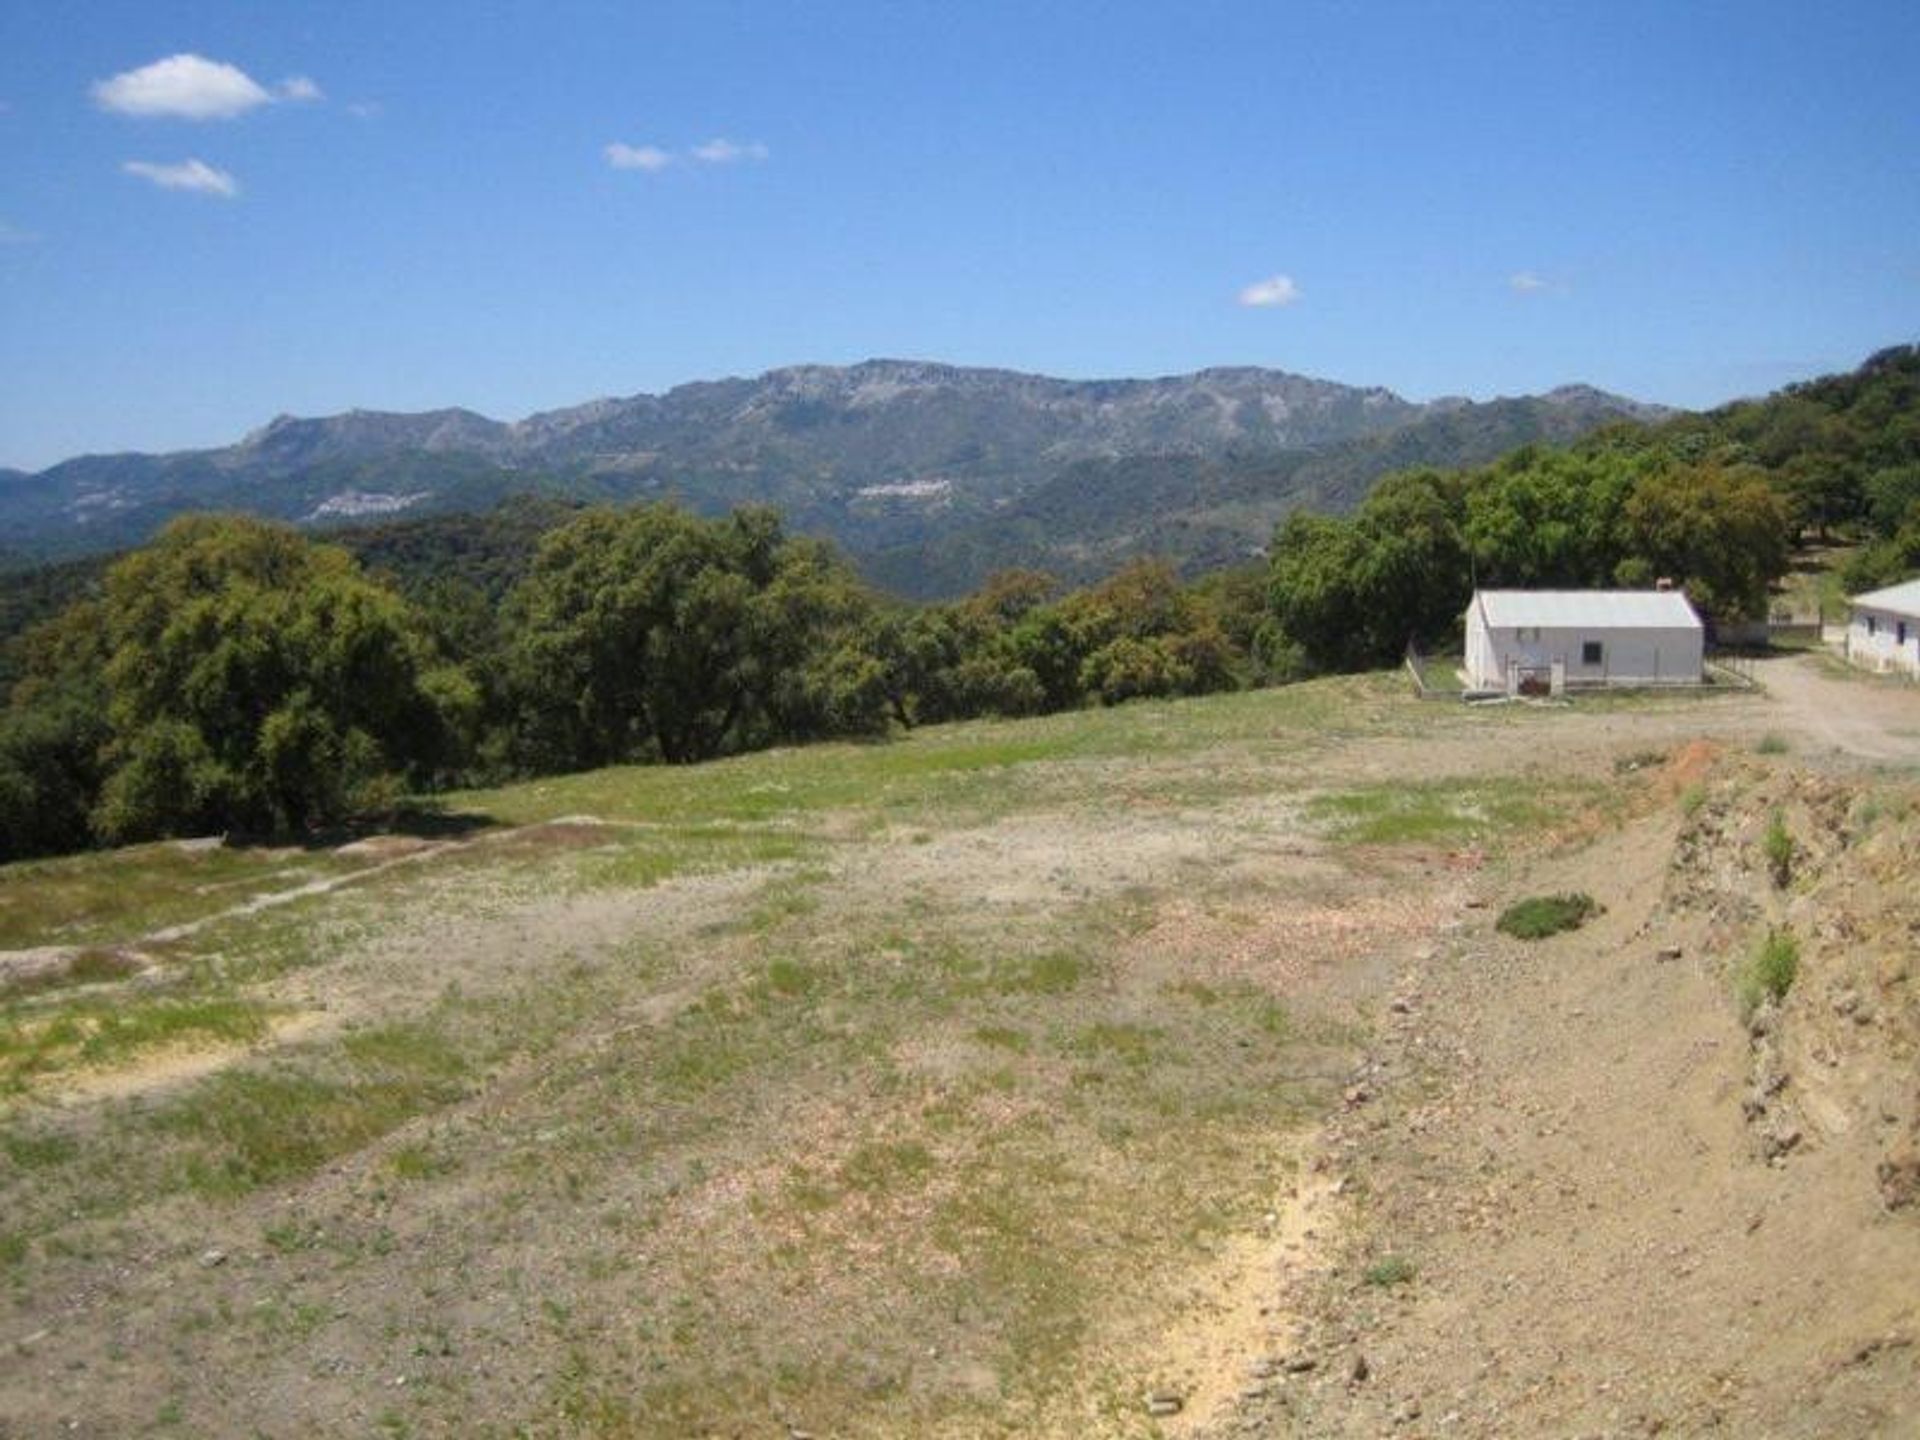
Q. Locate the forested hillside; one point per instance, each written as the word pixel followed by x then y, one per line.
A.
pixel 237 675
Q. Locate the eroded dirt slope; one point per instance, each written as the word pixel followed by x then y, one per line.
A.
pixel 1584 1189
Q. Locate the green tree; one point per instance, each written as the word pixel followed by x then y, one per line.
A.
pixel 1893 498
pixel 1353 593
pixel 1719 531
pixel 258 681
pixel 654 634
pixel 1548 519
pixel 53 735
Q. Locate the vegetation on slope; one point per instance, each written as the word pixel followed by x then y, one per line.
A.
pixel 235 675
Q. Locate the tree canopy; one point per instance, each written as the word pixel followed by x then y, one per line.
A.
pixel 256 680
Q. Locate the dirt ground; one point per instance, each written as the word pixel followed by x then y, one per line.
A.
pixel 1487 1187
pixel 1622 1210
pixel 1846 713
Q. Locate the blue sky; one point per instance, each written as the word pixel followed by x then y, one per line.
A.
pixel 412 205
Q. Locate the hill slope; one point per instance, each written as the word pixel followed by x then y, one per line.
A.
pixel 922 1088
pixel 882 455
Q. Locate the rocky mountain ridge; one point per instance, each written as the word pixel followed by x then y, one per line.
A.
pixel 880 455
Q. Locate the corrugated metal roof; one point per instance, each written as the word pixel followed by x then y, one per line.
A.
pixel 1903 598
pixel 1588 609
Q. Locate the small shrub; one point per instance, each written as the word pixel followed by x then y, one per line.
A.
pixel 1770 970
pixel 1691 799
pixel 1778 847
pixel 1771 744
pixel 1390 1270
pixel 1544 915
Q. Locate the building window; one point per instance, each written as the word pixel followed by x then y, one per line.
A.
pixel 1900 638
pixel 1873 625
pixel 1591 652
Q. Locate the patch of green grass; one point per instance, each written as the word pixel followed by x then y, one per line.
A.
pixel 791 979
pixel 943 771
pixel 93 966
pixel 1130 1043
pixel 248 1128
pixel 1769 971
pixel 37 1150
pixel 806 1193
pixel 791 898
pixel 1877 806
pixel 291 1237
pixel 644 858
pixel 1440 812
pixel 1004 1037
pixel 114 896
pixel 1539 916
pixel 886 1165
pixel 100 1032
pixel 1053 973
pixel 1772 744
pixel 1692 798
pixel 1390 1270
pixel 419 1162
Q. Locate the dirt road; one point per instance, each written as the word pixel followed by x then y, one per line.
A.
pixel 1860 716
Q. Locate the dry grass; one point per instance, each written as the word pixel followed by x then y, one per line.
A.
pixel 882 1089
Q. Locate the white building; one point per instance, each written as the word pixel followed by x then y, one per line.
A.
pixel 1553 640
pixel 1884 633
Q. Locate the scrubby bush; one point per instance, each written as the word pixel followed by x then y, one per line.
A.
pixel 1390 1270
pixel 1778 847
pixel 1770 970
pixel 1544 915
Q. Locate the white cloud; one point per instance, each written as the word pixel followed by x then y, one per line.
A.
pixel 194 175
pixel 299 89
pixel 650 158
pixel 364 109
pixel 1525 282
pixel 1274 290
pixel 190 87
pixel 721 151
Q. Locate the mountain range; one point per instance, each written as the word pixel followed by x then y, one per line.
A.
pixel 929 475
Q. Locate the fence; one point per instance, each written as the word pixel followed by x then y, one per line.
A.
pixel 1435 677
pixel 1732 666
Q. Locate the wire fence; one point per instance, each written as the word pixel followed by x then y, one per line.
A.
pixel 1435 677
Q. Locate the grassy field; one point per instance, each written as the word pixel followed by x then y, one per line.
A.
pixel 926 1087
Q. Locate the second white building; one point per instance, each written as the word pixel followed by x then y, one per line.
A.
pixel 1884 633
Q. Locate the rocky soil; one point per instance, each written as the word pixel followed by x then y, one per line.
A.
pixel 1581 1190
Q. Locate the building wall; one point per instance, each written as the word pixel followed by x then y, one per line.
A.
pixel 1482 661
pixel 1875 640
pixel 1627 656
